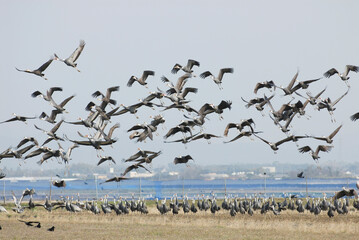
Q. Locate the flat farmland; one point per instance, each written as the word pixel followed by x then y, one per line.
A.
pixel 202 225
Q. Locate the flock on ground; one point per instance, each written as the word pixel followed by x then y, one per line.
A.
pixel 233 204
pixel 191 128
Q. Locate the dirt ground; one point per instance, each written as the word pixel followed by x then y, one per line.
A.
pixel 203 225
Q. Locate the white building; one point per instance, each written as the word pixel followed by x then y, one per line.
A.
pixel 268 169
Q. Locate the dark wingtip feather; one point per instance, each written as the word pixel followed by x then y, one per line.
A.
pixel 96 94
pixel 88 107
pixel 113 102
pixel 35 94
pixel 354 117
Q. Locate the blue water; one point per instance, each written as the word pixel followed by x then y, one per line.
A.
pixel 165 189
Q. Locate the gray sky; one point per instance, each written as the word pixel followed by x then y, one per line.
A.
pixel 261 40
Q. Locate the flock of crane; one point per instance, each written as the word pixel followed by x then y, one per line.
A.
pixel 233 204
pixel 99 116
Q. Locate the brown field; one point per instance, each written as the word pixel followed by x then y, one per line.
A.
pixel 85 225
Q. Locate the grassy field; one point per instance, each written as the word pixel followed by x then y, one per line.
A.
pixel 203 225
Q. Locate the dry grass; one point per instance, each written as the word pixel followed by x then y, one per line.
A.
pixel 85 225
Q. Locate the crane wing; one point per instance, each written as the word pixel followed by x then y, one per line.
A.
pixel 45 65
pixel 304 149
pixel 191 63
pixel 146 74
pixel 354 117
pixel 223 71
pixel 131 81
pixel 75 55
pixel 291 83
pixel 335 132
pixel 336 101
pixel 330 72
pixel 205 74
pixel 349 68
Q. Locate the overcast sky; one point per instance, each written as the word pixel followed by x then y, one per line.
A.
pixel 261 40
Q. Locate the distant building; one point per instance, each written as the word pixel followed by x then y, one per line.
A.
pixel 141 175
pixel 79 175
pixel 268 169
pixel 238 174
pixel 173 173
pixel 212 176
pixel 102 177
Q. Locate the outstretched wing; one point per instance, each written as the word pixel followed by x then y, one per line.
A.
pixel 56 127
pixel 291 83
pixel 198 137
pixel 136 127
pixel 39 128
pixel 320 93
pixel 223 71
pixel 205 74
pixel 63 103
pixel 182 81
pixel 36 93
pixel 69 151
pixel 225 104
pixel 97 93
pixel 178 160
pixel 330 72
pixel 20 70
pixel 131 81
pixel 304 149
pixel 87 143
pixel 130 168
pixel 267 142
pixel 287 139
pixel 339 194
pixel 335 132
pixel 257 87
pixel 188 90
pixel 14 198
pixel 176 68
pixel 300 175
pixel 35 153
pixel 146 74
pixel 349 68
pixel 336 101
pixel 116 179
pixel 324 148
pixel 27 139
pixel 206 109
pixel 110 90
pixel 102 160
pixel 192 63
pixel 229 125
pixel 25 149
pixel 139 165
pixel 53 89
pixel 237 137
pixel 354 117
pixel 75 55
pixel 172 131
pixel 112 179
pixel 45 65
